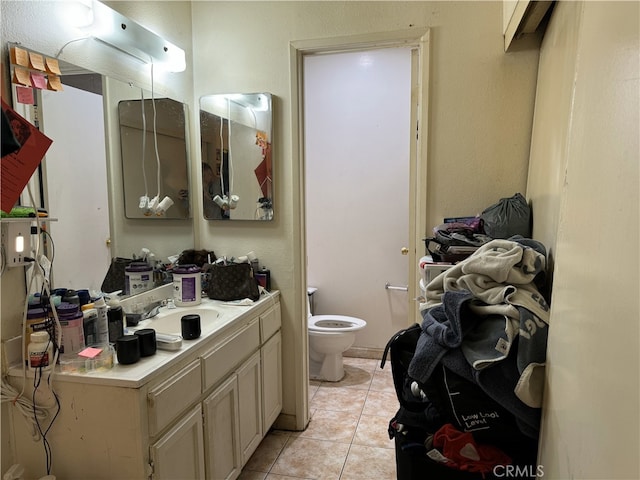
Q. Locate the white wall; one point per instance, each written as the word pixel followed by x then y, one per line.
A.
pixel 583 185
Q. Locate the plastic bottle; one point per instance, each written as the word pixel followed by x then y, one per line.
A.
pixel 90 324
pixel 264 278
pixel 116 323
pixel 102 330
pixel 37 320
pixel 71 323
pixel 40 351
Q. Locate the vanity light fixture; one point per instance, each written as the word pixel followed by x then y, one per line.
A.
pixel 132 38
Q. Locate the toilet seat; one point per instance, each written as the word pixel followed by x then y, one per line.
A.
pixel 335 323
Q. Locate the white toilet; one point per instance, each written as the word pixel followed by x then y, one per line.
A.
pixel 329 337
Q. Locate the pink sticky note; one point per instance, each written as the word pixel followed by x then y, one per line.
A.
pixel 90 352
pixel 39 81
pixel 25 95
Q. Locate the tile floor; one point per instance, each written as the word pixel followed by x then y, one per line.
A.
pixel 347 436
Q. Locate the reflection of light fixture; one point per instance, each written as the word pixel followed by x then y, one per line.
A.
pixel 226 203
pixel 130 37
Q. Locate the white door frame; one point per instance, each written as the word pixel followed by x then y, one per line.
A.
pixel 419 38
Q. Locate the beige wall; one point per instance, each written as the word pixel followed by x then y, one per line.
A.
pixel 583 185
pixel 481 109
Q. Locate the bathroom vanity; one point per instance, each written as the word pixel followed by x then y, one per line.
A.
pixel 194 413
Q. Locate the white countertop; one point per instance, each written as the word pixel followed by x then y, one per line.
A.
pixel 141 372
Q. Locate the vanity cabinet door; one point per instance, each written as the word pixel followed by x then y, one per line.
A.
pixel 222 440
pixel 271 363
pixel 250 406
pixel 180 452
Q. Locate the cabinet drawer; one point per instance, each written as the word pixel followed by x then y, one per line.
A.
pixel 170 398
pixel 218 363
pixel 269 323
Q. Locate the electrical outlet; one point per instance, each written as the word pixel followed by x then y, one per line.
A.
pixel 16 240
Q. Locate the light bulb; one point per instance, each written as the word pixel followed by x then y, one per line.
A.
pixel 19 243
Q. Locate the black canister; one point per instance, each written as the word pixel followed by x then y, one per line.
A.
pixel 147 338
pixel 115 318
pixel 128 349
pixel 190 326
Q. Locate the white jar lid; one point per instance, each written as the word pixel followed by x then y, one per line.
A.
pixel 40 337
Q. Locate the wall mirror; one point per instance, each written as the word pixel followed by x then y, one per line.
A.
pixel 79 181
pixel 154 158
pixel 235 136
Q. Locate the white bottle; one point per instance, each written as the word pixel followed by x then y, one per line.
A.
pixel 102 330
pixel 40 351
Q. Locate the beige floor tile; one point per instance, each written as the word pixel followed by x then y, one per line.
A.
pixel 372 432
pixel 267 452
pixel 382 381
pixel 383 404
pixel 339 399
pixel 273 476
pixel 309 458
pixel 331 425
pixel 368 364
pixel 368 463
pixel 313 388
pixel 251 475
pixel 347 436
pixel 354 377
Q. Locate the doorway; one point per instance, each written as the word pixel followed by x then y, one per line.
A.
pixel 357 135
pixel 417 41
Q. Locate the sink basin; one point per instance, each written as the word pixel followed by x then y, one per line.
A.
pixel 168 321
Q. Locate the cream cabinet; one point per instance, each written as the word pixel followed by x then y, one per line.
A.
pixel 180 452
pixel 201 414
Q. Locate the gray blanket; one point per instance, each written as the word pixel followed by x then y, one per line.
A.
pixel 482 307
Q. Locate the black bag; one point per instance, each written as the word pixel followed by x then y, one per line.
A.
pixel 509 217
pixel 114 280
pixel 233 281
pixel 401 347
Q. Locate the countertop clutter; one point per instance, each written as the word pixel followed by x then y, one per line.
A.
pixel 216 318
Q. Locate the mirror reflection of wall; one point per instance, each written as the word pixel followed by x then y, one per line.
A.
pixel 154 157
pixel 235 132
pixel 75 183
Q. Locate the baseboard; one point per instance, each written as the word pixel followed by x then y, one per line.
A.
pixel 362 352
pixel 286 421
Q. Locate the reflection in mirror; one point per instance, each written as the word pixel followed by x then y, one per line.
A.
pixel 154 158
pixel 73 178
pixel 235 132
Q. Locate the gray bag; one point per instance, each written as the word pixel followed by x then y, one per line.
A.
pixel 508 217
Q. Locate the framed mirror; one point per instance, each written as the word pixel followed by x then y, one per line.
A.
pixel 235 136
pixel 154 158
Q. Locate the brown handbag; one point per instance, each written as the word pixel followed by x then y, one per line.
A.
pixel 233 281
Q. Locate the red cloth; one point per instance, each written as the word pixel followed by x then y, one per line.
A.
pixel 463 453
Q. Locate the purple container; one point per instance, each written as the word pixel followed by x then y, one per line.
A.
pixel 187 285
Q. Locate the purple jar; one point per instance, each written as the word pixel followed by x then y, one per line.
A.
pixel 138 278
pixel 187 285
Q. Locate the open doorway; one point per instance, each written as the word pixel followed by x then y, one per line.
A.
pixel 357 136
